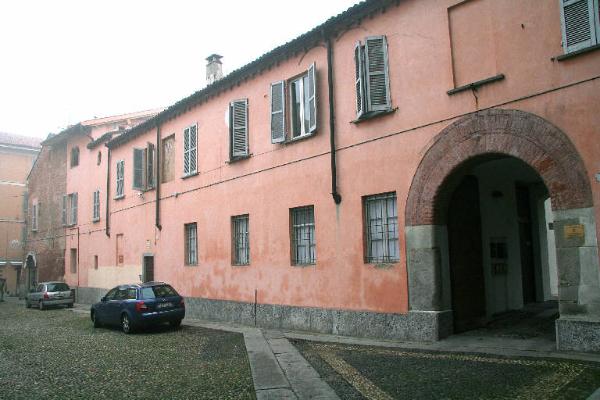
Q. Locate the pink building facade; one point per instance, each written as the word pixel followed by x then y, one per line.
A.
pixel 407 170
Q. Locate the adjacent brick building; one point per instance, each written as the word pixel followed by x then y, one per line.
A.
pixel 408 169
pixel 17 154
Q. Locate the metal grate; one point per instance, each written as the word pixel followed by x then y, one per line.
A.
pixel 303 235
pixel 240 240
pixel 381 226
pixel 191 244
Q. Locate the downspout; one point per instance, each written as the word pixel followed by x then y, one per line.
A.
pixel 107 224
pixel 157 175
pixel 337 198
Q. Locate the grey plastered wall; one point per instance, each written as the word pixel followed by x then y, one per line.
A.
pixel 578 281
pixel 416 325
pixel 428 268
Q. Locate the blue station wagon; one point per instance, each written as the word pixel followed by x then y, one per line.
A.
pixel 136 306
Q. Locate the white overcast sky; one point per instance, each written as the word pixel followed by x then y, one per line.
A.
pixel 62 61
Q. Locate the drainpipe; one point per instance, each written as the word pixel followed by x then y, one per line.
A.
pixel 107 224
pixel 337 198
pixel 157 175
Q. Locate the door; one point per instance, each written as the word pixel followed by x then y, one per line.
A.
pixel 526 244
pixel 466 256
pixel 148 275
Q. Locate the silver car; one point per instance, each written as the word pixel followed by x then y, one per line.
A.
pixel 50 294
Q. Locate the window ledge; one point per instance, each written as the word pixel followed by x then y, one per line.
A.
pixel 308 265
pixel 238 158
pixel 190 175
pixel 96 220
pixel 572 54
pixel 240 265
pixel 383 265
pixel 373 114
pixel 190 265
pixel 299 138
pixel 475 85
pixel 119 197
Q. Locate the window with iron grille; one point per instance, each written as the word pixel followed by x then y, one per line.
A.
pixel 303 235
pixel 381 228
pixel 240 240
pixel 191 244
pixel 580 20
pixel 96 206
pixel 190 140
pixel 120 192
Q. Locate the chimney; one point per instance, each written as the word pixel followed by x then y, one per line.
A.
pixel 214 68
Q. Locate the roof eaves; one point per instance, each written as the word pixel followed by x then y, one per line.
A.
pixel 303 42
pixel 67 133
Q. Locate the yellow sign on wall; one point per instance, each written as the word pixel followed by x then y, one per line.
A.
pixel 574 231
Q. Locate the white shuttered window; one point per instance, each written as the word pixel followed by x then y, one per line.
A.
pixel 96 206
pixel 190 140
pixel 580 24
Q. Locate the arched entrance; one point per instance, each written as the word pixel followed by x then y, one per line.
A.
pixel 537 146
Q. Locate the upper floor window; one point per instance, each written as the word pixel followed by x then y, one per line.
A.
pixel 580 24
pixel 372 83
pixel 120 192
pixel 35 214
pixel 74 156
pixel 238 129
pixel 69 209
pixel 190 150
pixel 143 168
pixel 167 168
pixel 302 106
pixel 96 206
pixel 381 228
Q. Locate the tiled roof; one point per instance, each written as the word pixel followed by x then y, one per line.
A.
pixel 305 41
pixel 21 141
pixel 116 118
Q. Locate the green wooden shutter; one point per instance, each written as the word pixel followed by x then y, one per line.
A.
pixel 138 169
pixel 238 127
pixel 312 98
pixel 376 76
pixel 277 112
pixel 359 65
pixel 186 151
pixel 150 166
pixel 193 148
pixel 578 18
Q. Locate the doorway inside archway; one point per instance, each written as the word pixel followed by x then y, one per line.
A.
pixel 502 257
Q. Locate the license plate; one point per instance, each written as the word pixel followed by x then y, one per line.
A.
pixel 164 305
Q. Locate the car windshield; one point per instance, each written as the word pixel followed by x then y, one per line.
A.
pixel 58 287
pixel 154 292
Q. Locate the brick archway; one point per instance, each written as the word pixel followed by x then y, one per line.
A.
pixel 545 148
pixel 508 132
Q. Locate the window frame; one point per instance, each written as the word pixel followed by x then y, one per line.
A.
pixel 386 258
pixel 188 150
pixel 144 175
pixel 190 244
pixel 238 130
pixel 593 24
pixel 308 103
pixel 362 87
pixel 35 216
pixel 96 206
pixel 236 249
pixel 295 259
pixel 74 159
pixel 120 179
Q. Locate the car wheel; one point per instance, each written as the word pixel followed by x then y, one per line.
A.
pixel 95 320
pixel 41 305
pixel 126 324
pixel 175 324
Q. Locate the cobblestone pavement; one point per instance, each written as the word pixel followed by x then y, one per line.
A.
pixel 368 372
pixel 57 354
